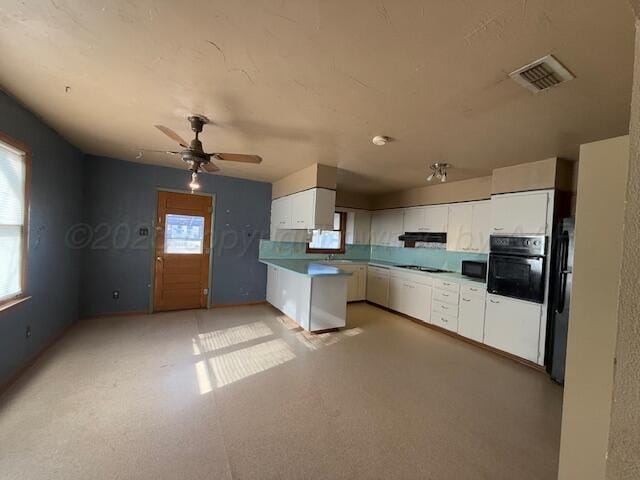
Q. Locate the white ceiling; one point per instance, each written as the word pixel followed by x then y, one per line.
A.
pixel 305 81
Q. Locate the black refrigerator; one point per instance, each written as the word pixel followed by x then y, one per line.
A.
pixel 561 280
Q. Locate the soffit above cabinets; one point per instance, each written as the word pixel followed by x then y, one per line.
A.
pixel 313 81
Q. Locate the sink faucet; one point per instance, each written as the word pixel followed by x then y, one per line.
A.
pixel 330 256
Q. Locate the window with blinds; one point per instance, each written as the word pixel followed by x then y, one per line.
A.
pixel 13 173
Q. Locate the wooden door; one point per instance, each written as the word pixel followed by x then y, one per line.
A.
pixel 183 239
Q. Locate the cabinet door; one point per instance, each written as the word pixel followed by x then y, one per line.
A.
pixel 352 282
pixel 324 207
pixel 302 211
pixel 513 326
pixel 358 228
pixel 396 295
pixel 395 222
pixel 377 227
pixel 386 227
pixel 481 220
pixel 362 282
pixel 471 317
pixel 417 300
pixel 272 286
pixel 519 214
pixel 459 229
pixel 414 219
pixel 362 228
pixel 436 219
pixel 378 288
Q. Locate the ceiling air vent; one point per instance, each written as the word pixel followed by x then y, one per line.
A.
pixel 542 74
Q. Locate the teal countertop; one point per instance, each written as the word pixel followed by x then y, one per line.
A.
pixel 453 276
pixel 309 268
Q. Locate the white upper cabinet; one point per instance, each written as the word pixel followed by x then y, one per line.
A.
pixel 480 227
pixel 468 229
pixel 426 219
pixel 358 227
pixel 459 236
pixel 281 213
pixel 309 210
pixel 519 213
pixel 386 227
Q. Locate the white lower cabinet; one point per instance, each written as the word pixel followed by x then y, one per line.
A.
pixel 378 286
pixel 471 313
pixel 410 298
pixel 356 283
pixel 513 326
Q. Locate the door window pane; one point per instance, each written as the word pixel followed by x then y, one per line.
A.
pixel 183 234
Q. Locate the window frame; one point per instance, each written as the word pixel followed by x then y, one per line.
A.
pixel 22 295
pixel 343 238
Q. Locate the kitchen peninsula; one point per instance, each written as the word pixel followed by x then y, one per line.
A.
pixel 311 293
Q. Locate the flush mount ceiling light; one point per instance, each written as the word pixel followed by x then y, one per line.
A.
pixel 439 170
pixel 380 140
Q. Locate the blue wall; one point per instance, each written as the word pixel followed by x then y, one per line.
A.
pixel 53 269
pixel 120 197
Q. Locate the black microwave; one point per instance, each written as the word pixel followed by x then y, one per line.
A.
pixel 474 269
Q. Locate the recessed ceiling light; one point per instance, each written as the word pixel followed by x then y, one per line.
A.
pixel 380 140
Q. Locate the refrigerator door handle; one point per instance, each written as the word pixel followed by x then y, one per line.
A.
pixel 564 259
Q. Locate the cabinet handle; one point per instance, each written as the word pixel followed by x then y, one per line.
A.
pixel 465 299
pixel 494 301
pixel 473 289
pixel 443 307
pixel 445 294
pixel 444 320
pixel 497 229
pixel 447 284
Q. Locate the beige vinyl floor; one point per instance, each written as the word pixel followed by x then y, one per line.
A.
pixel 241 393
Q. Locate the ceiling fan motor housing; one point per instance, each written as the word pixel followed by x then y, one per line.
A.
pixel 197 122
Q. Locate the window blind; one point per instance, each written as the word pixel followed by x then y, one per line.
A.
pixel 12 228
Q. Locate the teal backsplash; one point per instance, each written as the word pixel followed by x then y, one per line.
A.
pixel 426 257
pixel 296 250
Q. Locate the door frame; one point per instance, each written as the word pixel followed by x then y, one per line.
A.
pixel 152 257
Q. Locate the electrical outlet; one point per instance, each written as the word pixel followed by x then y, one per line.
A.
pixel 115 294
pixel 28 332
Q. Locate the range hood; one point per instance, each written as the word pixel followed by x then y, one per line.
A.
pixel 411 238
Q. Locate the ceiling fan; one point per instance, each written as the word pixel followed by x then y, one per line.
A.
pixel 193 154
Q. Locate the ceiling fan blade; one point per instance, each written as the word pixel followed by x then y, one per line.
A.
pixel 158 151
pixel 173 135
pixel 210 167
pixel 237 157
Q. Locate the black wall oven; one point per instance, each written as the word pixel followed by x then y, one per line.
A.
pixel 517 267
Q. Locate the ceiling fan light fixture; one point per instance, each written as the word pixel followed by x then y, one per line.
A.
pixel 194 185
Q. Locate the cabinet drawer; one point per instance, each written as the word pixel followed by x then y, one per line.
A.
pixel 446 296
pixel 446 285
pixel 444 308
pixel 477 290
pixel 412 277
pixel 444 321
pixel 378 270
